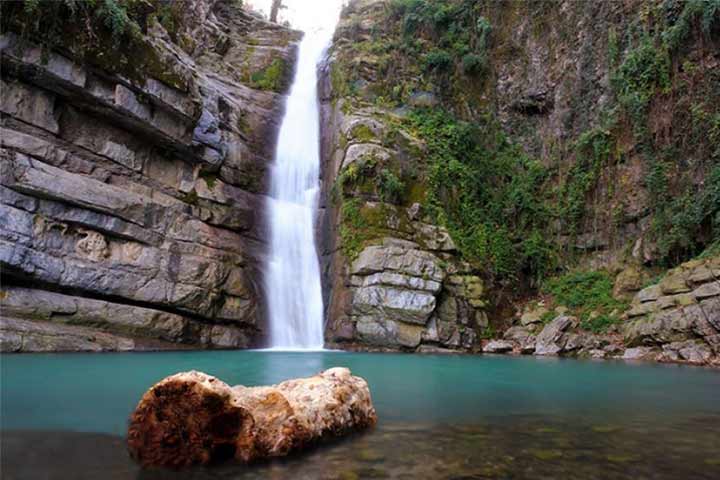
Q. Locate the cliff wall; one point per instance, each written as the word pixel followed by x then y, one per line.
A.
pixel 135 143
pixel 556 157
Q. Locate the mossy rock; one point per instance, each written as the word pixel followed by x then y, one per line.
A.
pixel 273 77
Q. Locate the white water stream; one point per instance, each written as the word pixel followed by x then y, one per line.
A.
pixel 293 276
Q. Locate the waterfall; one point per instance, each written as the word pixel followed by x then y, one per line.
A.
pixel 293 287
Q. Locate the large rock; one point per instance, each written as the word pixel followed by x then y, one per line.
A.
pixel 388 333
pixel 193 418
pixel 498 346
pixel 22 335
pixel 47 308
pixel 397 258
pixel 408 306
pixel 144 192
pixel 551 340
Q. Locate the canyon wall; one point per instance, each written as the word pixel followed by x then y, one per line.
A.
pixel 489 162
pixel 134 167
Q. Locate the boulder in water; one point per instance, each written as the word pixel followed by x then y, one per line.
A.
pixel 194 418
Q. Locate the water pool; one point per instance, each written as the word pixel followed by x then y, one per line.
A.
pixel 454 417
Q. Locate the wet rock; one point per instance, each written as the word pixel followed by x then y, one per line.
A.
pixel 193 418
pixel 517 333
pixel 692 351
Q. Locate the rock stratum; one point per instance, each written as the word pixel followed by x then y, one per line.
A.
pixel 134 174
pixel 192 418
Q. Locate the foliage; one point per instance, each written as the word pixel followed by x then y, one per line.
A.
pixel 644 72
pixel 390 186
pixel 271 77
pixel 488 193
pixel 680 221
pixel 707 12
pixel 593 152
pixel 104 33
pixel 473 63
pixel 438 61
pixel 460 36
pixel 589 296
pixel 353 228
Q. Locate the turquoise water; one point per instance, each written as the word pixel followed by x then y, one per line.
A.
pixel 439 416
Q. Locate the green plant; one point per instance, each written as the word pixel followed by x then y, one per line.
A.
pixel 644 72
pixel 593 152
pixel 104 33
pixel 271 77
pixel 353 228
pixel 487 192
pixel 438 61
pixel 390 186
pixel 473 63
pixel 707 12
pixel 589 296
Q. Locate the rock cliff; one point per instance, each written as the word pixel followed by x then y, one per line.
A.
pixel 483 156
pixel 134 156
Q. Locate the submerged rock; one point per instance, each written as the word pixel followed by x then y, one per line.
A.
pixel 193 418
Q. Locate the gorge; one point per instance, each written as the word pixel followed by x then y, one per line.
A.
pixel 489 180
pixel 504 216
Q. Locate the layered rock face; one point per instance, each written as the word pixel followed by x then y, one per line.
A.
pixel 674 320
pixel 393 278
pixel 134 205
pixel 193 418
pixel 679 317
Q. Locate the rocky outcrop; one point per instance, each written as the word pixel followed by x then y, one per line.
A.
pixel 675 320
pixel 135 205
pixel 679 317
pixel 193 418
pixel 393 278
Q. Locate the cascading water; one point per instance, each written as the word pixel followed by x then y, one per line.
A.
pixel 293 278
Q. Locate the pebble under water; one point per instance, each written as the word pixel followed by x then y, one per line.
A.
pixel 440 417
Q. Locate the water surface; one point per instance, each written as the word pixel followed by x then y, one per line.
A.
pixel 63 416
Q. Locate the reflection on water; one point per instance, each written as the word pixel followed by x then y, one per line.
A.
pixel 446 417
pixel 515 447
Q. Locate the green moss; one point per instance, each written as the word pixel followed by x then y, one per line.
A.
pixel 339 80
pixel 353 229
pixel 416 192
pixel 191 197
pixel 209 177
pixel 546 454
pixel 271 77
pixel 104 33
pixel 390 186
pixel 362 133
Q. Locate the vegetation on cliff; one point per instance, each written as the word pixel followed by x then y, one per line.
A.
pixel 105 33
pixel 556 156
